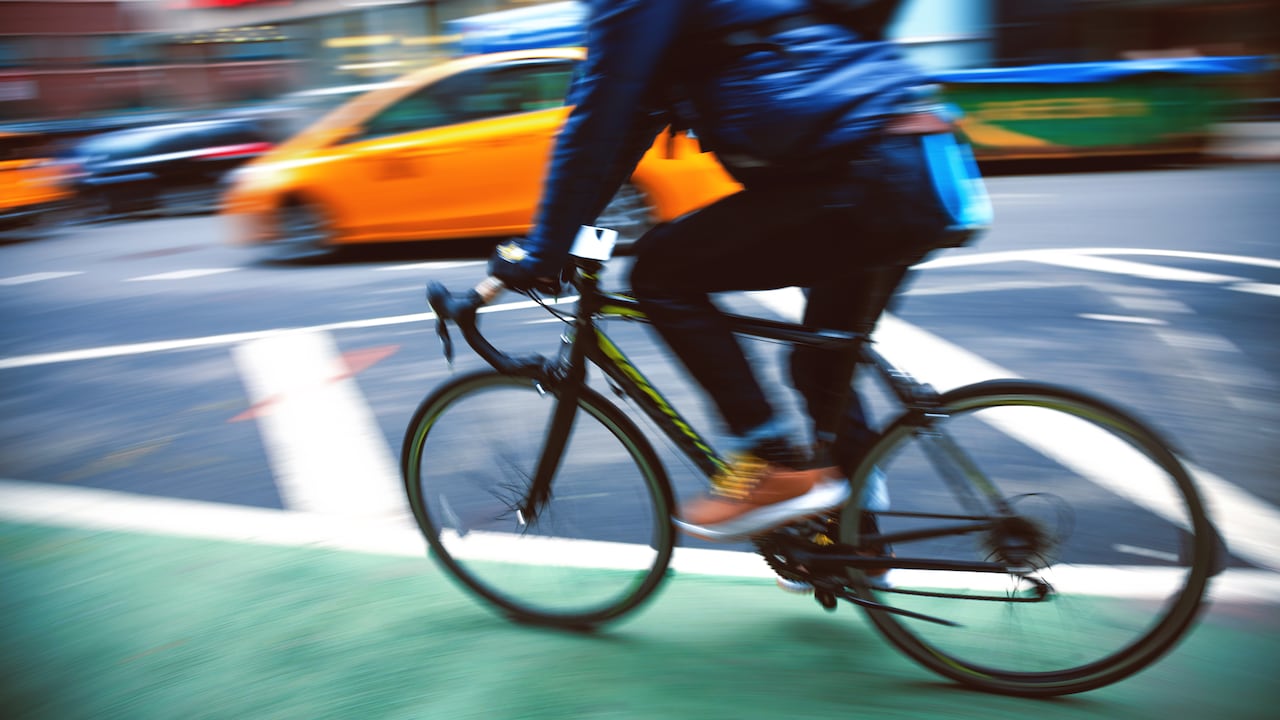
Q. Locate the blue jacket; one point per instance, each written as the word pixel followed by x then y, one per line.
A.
pixel 816 88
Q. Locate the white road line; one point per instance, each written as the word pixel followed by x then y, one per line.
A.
pixel 37 277
pixel 1258 288
pixel 183 274
pixel 429 265
pixel 1248 523
pixel 987 258
pixel 93 509
pixel 1123 319
pixel 1146 552
pixel 327 453
pixel 19 361
pixel 1133 269
pixel 1160 304
pixel 985 287
pixel 109 510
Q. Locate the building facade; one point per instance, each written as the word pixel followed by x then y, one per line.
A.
pixel 77 58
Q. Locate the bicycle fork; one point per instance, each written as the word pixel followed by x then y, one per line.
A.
pixel 564 378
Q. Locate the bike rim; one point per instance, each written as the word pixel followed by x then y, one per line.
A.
pixel 596 550
pixel 1125 546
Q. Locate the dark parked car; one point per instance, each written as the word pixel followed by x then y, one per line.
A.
pixel 174 168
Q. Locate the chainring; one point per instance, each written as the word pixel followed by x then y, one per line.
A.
pixel 819 531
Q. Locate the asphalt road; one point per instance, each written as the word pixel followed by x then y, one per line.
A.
pixel 144 358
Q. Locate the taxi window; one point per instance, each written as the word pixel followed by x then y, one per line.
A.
pixel 476 95
pixel 432 106
pixel 520 88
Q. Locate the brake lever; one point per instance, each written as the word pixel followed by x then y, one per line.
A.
pixel 438 299
pixel 446 342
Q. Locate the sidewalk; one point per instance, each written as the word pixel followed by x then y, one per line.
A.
pixel 111 625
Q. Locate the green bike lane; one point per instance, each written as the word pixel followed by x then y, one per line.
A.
pixel 119 624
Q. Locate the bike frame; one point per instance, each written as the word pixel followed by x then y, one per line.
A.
pixel 586 343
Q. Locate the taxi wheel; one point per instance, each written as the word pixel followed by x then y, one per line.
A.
pixel 630 213
pixel 304 235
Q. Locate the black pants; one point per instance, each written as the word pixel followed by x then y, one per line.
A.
pixel 848 239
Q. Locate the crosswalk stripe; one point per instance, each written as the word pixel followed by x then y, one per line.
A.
pixel 1258 288
pixel 327 453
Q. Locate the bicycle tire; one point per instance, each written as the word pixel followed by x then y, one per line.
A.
pixel 1121 593
pixel 598 549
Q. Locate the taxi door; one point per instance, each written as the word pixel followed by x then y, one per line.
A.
pixel 474 165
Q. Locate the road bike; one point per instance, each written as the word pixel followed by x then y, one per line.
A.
pixel 1039 541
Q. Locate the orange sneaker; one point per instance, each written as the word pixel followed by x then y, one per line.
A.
pixel 753 495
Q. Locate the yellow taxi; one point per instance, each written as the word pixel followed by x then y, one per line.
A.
pixel 457 150
pixel 33 188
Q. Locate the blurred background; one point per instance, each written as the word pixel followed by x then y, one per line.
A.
pixel 1035 78
pixel 78 65
pixel 142 420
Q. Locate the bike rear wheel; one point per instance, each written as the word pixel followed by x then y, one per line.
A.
pixel 599 546
pixel 1104 520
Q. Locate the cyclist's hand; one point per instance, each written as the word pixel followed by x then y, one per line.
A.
pixel 515 268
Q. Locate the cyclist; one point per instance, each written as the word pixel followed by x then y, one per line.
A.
pixel 824 125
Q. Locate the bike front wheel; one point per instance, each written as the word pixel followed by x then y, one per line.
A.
pixel 1104 535
pixel 597 548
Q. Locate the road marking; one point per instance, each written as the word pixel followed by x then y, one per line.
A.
pixel 19 361
pixel 37 277
pixel 1146 552
pixel 1122 319
pixel 183 274
pixel 1250 530
pixel 1133 269
pixel 986 258
pixel 1149 304
pixel 1258 289
pixel 110 510
pixel 355 362
pixel 94 509
pixel 327 453
pixel 985 287
pixel 429 265
pixel 1197 341
pixel 1248 522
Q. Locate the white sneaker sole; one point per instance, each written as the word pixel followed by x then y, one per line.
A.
pixel 824 495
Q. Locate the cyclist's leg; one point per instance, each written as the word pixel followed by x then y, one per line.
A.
pixel 753 240
pixel 900 222
pixel 750 241
pixel 825 383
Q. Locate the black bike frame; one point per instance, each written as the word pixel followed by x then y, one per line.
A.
pixel 591 342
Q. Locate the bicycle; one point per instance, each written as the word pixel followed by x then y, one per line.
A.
pixel 542 497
